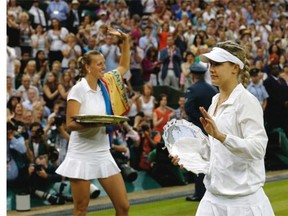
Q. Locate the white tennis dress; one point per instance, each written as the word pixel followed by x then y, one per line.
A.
pixel 88 155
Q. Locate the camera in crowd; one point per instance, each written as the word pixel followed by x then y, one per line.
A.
pixel 57 199
pixel 128 173
pixel 53 153
pixel 38 167
pixel 145 128
pixel 60 118
pixel 39 133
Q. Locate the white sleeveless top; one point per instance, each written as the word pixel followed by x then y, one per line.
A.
pixel 147 108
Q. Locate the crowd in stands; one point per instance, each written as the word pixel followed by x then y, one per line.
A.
pixel 46 37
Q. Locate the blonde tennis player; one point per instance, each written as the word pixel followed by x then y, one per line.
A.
pixel 238 140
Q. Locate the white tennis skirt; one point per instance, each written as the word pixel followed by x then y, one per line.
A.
pixel 256 204
pixel 88 166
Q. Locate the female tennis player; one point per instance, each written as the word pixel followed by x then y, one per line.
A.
pixel 237 137
pixel 88 155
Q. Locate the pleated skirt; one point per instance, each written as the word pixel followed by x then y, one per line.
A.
pixel 88 166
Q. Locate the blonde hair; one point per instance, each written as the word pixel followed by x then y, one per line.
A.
pixel 238 51
pixel 148 86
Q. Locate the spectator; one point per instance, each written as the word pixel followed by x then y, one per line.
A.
pixel 180 111
pixel 41 65
pixel 183 10
pixel 50 90
pixel 137 55
pixel 30 68
pixel 111 53
pixel 163 33
pixel 58 9
pixel 73 70
pixel 17 119
pixel 11 103
pixel 231 33
pixel 13 6
pixel 55 38
pixel 136 31
pixel 104 20
pixel 149 139
pixel 38 114
pixel 147 40
pixel 37 143
pixel 28 120
pixel 151 67
pixel 274 54
pixel 282 62
pixel 64 86
pixel 16 158
pixel 87 23
pixel 58 109
pixel 11 56
pixel 161 115
pixel 41 176
pixel 133 97
pixel 36 81
pixel 171 60
pixel 92 45
pixel 39 17
pixel 70 50
pixel 198 44
pixel 38 40
pixel 13 32
pixel 26 31
pixel 260 55
pixel 208 13
pixel 275 112
pixel 56 69
pixel 33 98
pixel 100 37
pixel 189 35
pixel 9 88
pixel 257 89
pixel 146 102
pixel 74 17
pixel 57 134
pixel 24 88
pixel 23 63
pixel 179 39
pixel 148 6
pixel 186 76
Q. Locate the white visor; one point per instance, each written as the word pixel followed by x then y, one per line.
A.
pixel 220 55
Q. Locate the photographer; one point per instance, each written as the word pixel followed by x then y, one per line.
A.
pixel 37 143
pixel 57 135
pixel 42 173
pixel 121 154
pixel 41 176
pixel 149 139
pixel 17 159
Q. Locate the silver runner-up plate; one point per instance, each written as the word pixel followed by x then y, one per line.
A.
pixel 189 143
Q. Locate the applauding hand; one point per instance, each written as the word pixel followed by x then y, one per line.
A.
pixel 210 126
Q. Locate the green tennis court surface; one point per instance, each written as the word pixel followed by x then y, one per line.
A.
pixel 276 191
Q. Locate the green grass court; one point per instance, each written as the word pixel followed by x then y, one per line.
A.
pixel 276 191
